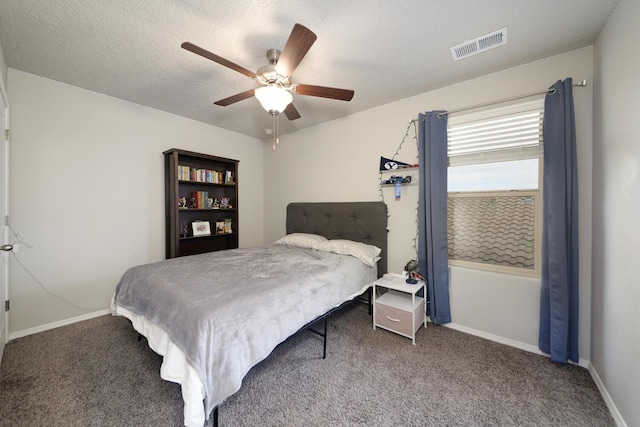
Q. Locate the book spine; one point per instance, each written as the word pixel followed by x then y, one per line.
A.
pixel 200 199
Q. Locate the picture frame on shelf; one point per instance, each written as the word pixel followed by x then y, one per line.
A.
pixel 219 227
pixel 201 228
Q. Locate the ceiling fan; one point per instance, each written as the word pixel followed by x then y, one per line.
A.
pixel 274 79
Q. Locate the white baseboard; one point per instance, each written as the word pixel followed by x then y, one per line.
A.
pixel 53 325
pixel 607 398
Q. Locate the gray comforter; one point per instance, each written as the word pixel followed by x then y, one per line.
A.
pixel 228 310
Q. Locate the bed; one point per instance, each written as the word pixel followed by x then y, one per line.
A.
pixel 214 316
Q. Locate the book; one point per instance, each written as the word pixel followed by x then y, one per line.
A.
pixel 199 199
pixel 184 173
pixel 227 226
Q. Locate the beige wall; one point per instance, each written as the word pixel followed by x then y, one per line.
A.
pixel 87 191
pixel 3 67
pixel 615 351
pixel 338 161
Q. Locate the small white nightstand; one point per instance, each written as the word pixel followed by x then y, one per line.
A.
pixel 399 309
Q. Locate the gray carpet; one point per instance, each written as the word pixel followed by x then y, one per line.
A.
pixel 96 373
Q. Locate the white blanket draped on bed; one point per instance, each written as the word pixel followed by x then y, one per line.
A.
pixel 226 311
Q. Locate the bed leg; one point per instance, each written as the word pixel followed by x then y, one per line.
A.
pixel 215 417
pixel 324 350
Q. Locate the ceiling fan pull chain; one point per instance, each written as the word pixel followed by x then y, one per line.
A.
pixel 275 134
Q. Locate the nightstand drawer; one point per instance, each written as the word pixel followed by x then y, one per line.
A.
pixel 399 309
pixel 394 319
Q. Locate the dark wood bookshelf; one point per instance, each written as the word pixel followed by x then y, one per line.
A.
pixel 180 240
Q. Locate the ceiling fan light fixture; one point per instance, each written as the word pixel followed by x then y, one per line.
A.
pixel 273 99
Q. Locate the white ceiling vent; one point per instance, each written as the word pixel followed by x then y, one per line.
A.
pixel 480 44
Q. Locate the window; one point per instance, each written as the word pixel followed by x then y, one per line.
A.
pixel 494 185
pixel 494 176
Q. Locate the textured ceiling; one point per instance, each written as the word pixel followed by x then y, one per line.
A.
pixel 385 50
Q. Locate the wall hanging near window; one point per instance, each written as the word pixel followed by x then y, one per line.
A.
pixel 392 164
pixel 401 168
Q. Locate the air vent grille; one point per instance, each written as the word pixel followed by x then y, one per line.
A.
pixel 480 44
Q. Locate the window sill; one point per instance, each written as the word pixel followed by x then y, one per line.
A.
pixel 535 273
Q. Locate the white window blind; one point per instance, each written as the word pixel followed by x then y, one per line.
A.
pixel 505 135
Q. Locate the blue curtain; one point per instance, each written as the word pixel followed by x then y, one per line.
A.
pixel 558 334
pixel 432 213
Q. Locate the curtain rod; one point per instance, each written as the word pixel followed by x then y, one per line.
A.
pixel 582 83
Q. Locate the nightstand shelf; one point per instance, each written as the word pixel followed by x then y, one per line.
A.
pixel 399 309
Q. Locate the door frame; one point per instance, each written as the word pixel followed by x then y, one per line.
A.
pixel 4 236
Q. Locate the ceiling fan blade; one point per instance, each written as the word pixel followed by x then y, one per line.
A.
pixel 235 98
pixel 300 41
pixel 291 112
pixel 323 92
pixel 215 58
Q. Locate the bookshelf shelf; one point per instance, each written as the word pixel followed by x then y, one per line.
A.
pixel 207 237
pixel 213 184
pixel 206 209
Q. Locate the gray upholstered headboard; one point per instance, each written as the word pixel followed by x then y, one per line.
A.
pixel 358 221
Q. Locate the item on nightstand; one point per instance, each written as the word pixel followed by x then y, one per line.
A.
pixel 387 276
pixel 412 269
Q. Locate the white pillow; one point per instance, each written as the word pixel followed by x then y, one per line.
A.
pixel 368 254
pixel 301 240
